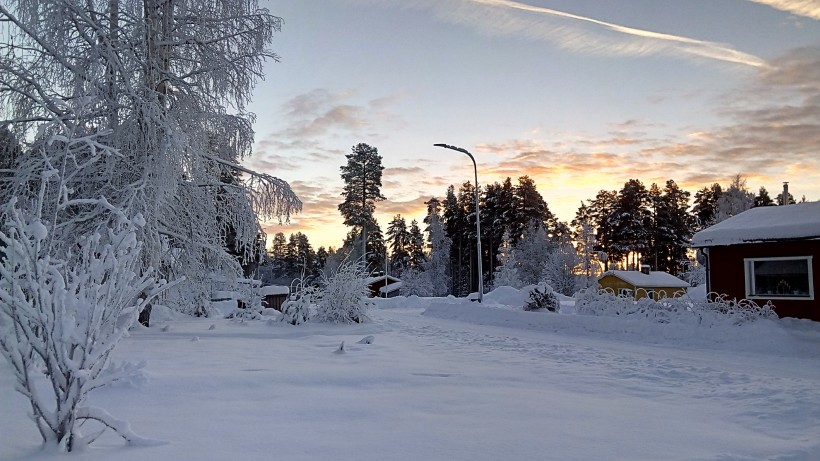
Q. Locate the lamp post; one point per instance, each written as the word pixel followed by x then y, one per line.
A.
pixel 477 218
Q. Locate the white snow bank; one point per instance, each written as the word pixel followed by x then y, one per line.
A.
pixel 785 336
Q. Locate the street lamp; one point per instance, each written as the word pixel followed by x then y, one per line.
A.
pixel 477 218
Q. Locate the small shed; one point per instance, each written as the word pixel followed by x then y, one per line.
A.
pixel 273 296
pixel 384 286
pixel 769 253
pixel 643 283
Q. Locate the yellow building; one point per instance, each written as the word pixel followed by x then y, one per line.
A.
pixel 643 283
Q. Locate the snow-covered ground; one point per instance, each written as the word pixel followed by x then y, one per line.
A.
pixel 446 379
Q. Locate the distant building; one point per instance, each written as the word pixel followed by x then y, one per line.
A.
pixel 273 296
pixel 643 283
pixel 766 254
pixel 382 286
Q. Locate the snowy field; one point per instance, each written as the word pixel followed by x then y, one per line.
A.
pixel 445 379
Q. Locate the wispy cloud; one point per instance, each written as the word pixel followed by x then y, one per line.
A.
pixel 807 8
pixel 650 42
pixel 574 32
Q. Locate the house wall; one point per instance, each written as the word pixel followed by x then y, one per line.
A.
pixel 274 301
pixel 614 283
pixel 727 273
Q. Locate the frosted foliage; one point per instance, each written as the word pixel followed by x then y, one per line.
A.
pixel 61 317
pixel 559 269
pixel 153 121
pixel 438 262
pixel 531 253
pixel 714 310
pixel 296 310
pixel 734 200
pixel 344 296
pixel 507 276
pixel 418 283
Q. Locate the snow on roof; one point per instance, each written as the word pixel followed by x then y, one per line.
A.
pixel 274 290
pixel 391 287
pixel 655 279
pixel 380 278
pixel 801 221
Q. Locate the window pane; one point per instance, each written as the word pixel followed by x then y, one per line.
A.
pixel 787 278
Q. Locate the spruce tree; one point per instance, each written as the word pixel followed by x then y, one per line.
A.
pixel 415 246
pixel 398 241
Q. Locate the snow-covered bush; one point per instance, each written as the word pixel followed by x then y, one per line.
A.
pixel 714 309
pixel 344 296
pixel 542 297
pixel 61 315
pixel 296 310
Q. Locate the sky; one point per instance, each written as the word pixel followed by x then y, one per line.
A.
pixel 580 95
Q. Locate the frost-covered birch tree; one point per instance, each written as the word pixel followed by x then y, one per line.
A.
pixel 162 86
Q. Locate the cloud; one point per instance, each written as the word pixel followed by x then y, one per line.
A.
pixel 807 8
pixel 573 32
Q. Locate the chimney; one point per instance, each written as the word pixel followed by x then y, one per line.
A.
pixel 645 268
pixel 785 199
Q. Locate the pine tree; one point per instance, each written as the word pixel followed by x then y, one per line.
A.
pixel 631 222
pixel 602 209
pixel 705 206
pixel 675 227
pixel 763 199
pixel 363 180
pixel 497 210
pixel 277 255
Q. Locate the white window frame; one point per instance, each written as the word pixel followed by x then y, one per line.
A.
pixel 626 292
pixel 748 269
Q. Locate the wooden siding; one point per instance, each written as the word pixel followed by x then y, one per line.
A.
pixel 727 274
pixel 616 284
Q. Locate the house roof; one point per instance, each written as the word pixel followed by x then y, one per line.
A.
pixel 274 290
pixel 761 224
pixel 390 288
pixel 380 278
pixel 655 279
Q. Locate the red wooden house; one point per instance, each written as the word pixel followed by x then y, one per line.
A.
pixel 767 254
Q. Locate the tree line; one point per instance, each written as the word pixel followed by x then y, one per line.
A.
pixel 522 240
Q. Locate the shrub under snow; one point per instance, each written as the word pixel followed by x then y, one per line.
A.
pixel 542 297
pixel 715 308
pixel 345 295
pixel 61 315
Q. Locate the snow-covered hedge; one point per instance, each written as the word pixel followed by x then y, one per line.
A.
pixel 715 308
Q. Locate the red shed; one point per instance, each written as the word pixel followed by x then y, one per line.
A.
pixel 767 254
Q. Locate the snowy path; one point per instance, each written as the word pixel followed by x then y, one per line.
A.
pixel 434 388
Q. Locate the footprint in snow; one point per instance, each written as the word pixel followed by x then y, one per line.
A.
pixel 341 349
pixel 166 328
pixel 212 327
